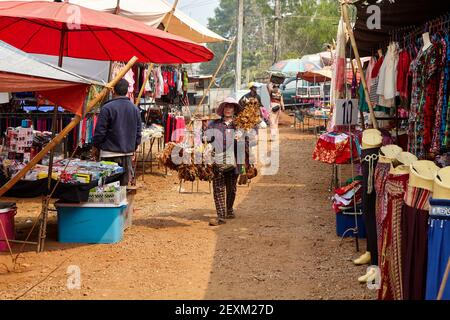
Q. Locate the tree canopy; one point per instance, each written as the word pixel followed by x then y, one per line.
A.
pixel 306 27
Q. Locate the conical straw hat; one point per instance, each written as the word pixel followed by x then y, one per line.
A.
pixel 423 174
pixel 399 170
pixel 390 151
pixel 441 188
pixel 406 158
pixel 371 139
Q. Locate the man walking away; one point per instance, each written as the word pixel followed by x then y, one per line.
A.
pixel 118 131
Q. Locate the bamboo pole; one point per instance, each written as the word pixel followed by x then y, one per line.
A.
pixel 361 114
pixel 344 5
pixel 444 281
pixel 75 121
pixel 215 75
pixel 150 68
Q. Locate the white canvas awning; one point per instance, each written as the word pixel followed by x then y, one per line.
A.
pixel 153 13
pixel 17 62
pixel 20 71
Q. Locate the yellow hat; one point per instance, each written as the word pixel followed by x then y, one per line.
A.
pixel 399 170
pixel 406 158
pixel 423 174
pixel 390 152
pixel 371 139
pixel 441 188
pixel 253 85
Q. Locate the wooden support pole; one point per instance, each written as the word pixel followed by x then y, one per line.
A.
pixel 215 75
pixel 75 121
pixel 444 281
pixel 361 114
pixel 344 6
pixel 150 68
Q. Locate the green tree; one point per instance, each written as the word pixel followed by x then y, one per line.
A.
pixel 308 26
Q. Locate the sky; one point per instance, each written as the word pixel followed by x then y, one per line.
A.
pixel 199 10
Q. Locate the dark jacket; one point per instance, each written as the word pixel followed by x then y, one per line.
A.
pixel 248 96
pixel 118 127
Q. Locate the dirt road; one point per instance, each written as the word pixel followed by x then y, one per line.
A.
pixel 282 245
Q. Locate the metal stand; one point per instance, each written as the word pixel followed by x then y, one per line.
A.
pixel 334 182
pixel 355 230
pixel 192 187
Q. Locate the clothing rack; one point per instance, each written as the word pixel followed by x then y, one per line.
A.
pixel 408 34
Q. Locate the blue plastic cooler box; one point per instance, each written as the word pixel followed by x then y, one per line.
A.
pixel 90 223
pixel 346 220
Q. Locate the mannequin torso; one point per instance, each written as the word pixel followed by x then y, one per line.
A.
pixel 426 41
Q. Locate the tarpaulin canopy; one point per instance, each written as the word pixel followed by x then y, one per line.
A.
pixel 394 15
pixel 322 75
pixel 293 66
pixel 153 13
pixel 68 30
pixel 20 71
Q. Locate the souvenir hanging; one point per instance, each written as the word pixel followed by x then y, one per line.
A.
pixel 250 117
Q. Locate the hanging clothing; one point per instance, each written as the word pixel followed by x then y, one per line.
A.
pixel 445 126
pixel 423 94
pixel 415 242
pixel 391 245
pixel 445 102
pixel 438 108
pixel 368 73
pixel 335 148
pixel 404 62
pixel 375 79
pixel 179 132
pixel 161 82
pixel 438 248
pixel 386 89
pixel 180 83
pixel 185 81
pixel 363 106
pixel 369 160
pixel 381 210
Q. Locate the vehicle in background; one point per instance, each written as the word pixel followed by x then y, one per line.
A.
pixel 294 90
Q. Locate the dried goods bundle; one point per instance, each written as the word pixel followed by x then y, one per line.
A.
pixel 166 156
pixel 250 117
pixel 187 172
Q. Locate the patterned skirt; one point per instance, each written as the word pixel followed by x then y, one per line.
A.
pixel 391 244
pixel 381 176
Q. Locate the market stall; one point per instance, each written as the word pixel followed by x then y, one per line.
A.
pixel 403 193
pixel 43 30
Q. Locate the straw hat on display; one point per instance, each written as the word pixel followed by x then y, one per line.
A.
pixel 371 139
pixel 423 174
pixel 441 187
pixel 389 153
pixel 406 158
pixel 399 170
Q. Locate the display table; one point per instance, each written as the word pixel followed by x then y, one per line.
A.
pixel 146 150
pixel 73 193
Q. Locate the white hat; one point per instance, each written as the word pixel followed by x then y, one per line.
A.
pixel 371 138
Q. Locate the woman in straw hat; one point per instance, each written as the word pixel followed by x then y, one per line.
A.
pixel 222 134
